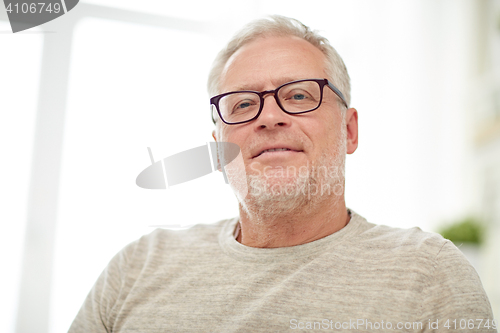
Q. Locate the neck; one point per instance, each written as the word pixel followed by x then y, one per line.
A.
pixel 300 226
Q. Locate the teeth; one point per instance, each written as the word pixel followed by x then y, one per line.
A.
pixel 276 149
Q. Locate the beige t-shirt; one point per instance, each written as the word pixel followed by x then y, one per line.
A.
pixel 363 278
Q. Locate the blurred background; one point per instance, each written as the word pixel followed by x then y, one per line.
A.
pixel 83 96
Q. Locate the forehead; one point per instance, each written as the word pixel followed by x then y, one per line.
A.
pixel 268 62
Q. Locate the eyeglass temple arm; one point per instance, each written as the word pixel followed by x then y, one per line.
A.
pixel 338 93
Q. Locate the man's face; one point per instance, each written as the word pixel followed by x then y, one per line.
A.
pixel 265 64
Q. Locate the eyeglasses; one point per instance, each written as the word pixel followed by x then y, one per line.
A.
pixel 294 97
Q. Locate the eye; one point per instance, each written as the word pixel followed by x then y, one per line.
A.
pixel 299 97
pixel 243 105
pixel 239 103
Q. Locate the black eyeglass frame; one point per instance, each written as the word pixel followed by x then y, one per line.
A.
pixel 321 82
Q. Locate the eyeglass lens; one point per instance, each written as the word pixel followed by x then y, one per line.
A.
pixel 294 97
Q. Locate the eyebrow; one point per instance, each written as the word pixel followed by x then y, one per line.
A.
pixel 277 83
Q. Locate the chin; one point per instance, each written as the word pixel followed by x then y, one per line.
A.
pixel 273 196
pixel 276 193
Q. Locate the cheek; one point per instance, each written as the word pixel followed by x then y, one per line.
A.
pixel 224 135
pixel 227 134
pixel 221 133
pixel 326 132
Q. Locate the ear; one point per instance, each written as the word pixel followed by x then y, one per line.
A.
pixel 352 130
pixel 218 161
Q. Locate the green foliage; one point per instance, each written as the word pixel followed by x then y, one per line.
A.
pixel 468 231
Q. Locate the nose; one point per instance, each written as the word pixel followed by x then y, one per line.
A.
pixel 271 115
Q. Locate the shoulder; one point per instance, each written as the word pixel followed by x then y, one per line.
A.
pixel 167 241
pixel 422 254
pixel 163 247
pixel 399 241
pixel 448 284
pixel 434 255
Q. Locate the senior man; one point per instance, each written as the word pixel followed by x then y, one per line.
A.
pixel 296 257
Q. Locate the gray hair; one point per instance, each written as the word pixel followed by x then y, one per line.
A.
pixel 275 26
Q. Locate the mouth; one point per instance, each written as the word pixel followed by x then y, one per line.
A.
pixel 276 151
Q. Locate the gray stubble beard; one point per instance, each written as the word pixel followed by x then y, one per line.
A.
pixel 290 195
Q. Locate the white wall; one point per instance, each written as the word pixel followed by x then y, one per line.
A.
pixel 133 86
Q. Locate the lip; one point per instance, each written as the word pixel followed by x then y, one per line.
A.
pixel 262 149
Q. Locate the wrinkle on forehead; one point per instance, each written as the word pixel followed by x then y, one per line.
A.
pixel 275 81
pixel 248 67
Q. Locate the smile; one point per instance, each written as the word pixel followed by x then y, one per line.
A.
pixel 274 150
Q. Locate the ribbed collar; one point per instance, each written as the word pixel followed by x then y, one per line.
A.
pixel 238 251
